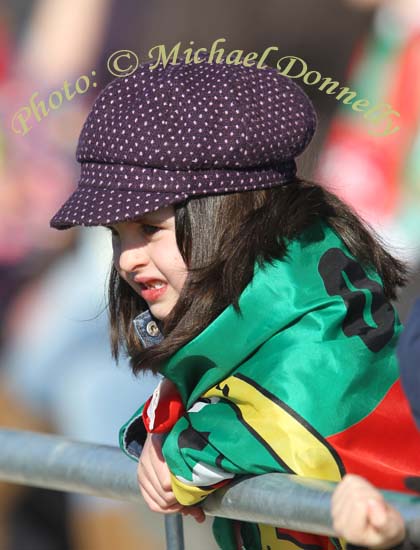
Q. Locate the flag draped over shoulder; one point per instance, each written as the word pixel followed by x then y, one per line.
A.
pixel 304 380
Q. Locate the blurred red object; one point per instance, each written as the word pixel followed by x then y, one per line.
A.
pixel 370 173
pixel 4 48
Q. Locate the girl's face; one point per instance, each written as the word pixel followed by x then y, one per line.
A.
pixel 147 257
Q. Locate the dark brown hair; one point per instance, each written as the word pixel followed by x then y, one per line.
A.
pixel 220 238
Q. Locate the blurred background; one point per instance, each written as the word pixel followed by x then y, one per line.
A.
pixel 56 372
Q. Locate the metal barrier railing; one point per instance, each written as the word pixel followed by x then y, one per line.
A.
pixel 280 500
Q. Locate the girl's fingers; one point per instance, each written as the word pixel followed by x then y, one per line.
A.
pixel 147 477
pixel 154 502
pixel 153 467
pixel 195 511
pixel 343 490
pixel 341 504
pixel 151 495
pixel 159 466
pixel 145 469
pixel 387 522
pixel 350 509
pixel 361 515
pixel 338 503
pixel 378 513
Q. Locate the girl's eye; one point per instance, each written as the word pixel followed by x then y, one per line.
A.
pixel 150 229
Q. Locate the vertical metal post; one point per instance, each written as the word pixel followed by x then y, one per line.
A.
pixel 174 532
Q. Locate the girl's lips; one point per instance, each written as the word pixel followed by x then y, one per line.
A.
pixel 152 294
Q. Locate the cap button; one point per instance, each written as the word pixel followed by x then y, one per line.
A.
pixel 152 328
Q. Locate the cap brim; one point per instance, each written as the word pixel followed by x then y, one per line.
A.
pixel 108 207
pixel 110 194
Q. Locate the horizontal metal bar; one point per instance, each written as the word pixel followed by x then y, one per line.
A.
pixel 54 462
pixel 275 499
pixel 297 503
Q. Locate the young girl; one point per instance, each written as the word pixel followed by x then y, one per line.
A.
pixel 260 297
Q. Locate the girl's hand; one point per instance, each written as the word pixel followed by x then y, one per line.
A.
pixel 155 482
pixel 362 516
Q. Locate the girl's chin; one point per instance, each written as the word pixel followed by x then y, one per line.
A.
pixel 161 309
pixel 158 311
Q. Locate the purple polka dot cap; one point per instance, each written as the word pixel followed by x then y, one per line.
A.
pixel 160 136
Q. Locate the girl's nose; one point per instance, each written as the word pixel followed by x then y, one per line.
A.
pixel 130 259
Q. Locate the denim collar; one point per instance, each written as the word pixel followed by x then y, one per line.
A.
pixel 147 329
